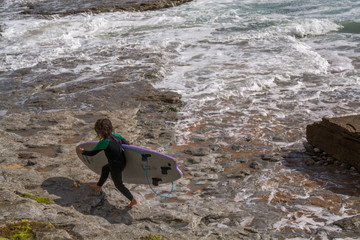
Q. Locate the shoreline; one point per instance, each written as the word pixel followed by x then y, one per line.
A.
pixel 257 187
pixel 39 159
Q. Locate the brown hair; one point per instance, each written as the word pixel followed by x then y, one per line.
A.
pixel 103 128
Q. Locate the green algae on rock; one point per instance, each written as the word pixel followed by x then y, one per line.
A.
pixel 39 199
pixel 22 230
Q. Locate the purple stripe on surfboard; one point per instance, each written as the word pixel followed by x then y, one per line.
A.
pixel 139 148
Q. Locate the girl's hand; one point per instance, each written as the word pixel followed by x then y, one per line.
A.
pixel 80 150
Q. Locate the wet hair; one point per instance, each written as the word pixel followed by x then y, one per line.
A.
pixel 103 128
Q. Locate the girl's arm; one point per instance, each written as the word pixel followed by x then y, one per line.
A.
pixel 102 145
pixel 90 153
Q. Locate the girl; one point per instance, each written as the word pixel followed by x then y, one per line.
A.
pixel 110 142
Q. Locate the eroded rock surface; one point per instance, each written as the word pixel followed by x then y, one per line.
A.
pixel 339 137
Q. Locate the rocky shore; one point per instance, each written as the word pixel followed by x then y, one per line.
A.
pixel 224 194
pixel 38 162
pixel 240 189
pixel 65 7
pixel 43 183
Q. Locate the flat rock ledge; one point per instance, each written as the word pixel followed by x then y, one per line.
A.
pixel 50 7
pixel 339 137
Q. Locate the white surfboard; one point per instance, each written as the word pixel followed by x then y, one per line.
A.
pixel 161 168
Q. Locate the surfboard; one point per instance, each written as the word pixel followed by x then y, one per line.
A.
pixel 160 167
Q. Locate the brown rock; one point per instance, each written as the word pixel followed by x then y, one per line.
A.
pixel 50 7
pixel 339 137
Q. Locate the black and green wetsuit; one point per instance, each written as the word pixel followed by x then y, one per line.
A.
pixel 116 161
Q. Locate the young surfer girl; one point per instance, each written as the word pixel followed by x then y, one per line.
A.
pixel 110 142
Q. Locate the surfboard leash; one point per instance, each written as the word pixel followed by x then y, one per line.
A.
pixel 144 156
pixel 147 178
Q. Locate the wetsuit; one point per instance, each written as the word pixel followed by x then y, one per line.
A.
pixel 116 161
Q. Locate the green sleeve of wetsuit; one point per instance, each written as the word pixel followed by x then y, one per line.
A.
pixel 118 135
pixel 102 145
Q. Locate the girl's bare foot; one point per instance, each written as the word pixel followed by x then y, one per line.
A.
pixel 132 203
pixel 97 188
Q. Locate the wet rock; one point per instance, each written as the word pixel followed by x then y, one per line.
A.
pixel 26 155
pixel 278 138
pixel 339 137
pixel 309 148
pixel 320 163
pixel 215 147
pixel 272 157
pixel 317 151
pixel 255 165
pixel 309 162
pixel 30 163
pixel 345 165
pixel 239 174
pixel 202 151
pixel 349 224
pixel 236 147
pixel 247 138
pixel 170 97
pixel 221 196
pixel 195 160
pixel 66 7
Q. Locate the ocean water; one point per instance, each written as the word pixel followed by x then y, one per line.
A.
pixel 258 70
pixel 244 68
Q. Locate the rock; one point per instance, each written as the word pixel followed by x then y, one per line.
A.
pixel 271 157
pixel 26 155
pixel 202 151
pixel 247 138
pixel 30 163
pixel 194 160
pixel 349 224
pixel 214 147
pixel 76 211
pixel 236 147
pixel 339 137
pixel 316 158
pixel 317 151
pixel 170 97
pixel 254 165
pixel 55 7
pixel 53 234
pixel 309 148
pixel 309 162
pixel 319 163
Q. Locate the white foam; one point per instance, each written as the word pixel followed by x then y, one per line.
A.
pixel 242 196
pixel 245 59
pixel 312 27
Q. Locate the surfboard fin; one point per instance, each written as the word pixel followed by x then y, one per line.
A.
pixel 155 181
pixel 164 170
